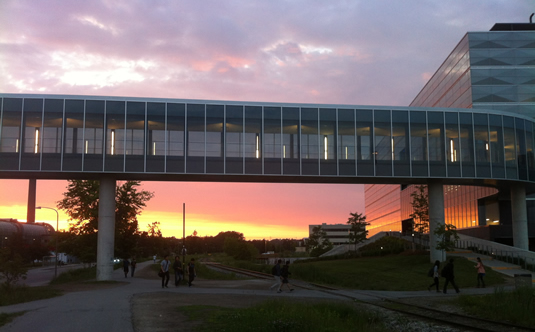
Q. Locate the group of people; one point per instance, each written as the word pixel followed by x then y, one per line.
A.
pixel 129 265
pixel 447 273
pixel 281 274
pixel 179 271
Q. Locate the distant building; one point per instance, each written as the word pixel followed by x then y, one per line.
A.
pixel 336 233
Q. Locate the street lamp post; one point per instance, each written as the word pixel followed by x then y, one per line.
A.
pixel 57 230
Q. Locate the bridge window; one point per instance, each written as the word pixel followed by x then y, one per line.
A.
pixel 74 135
pixel 272 140
pixel 419 143
pixel 310 145
pixel 234 139
pixel 400 138
pixel 176 137
pixel 215 116
pixel 135 128
pixel 521 149
pixel 467 144
pixel 453 153
pixel 365 164
pixel 346 142
pixel 436 143
pixel 115 136
pixel 253 140
pixel 10 139
pixel 32 126
pixel 290 140
pixel 529 151
pixel 52 132
pixel 383 143
pixel 156 129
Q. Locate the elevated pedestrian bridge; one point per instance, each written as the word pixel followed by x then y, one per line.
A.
pixel 122 138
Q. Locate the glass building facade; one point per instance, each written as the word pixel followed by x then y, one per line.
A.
pixel 62 135
pixel 492 70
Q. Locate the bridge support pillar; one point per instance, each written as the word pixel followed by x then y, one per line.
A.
pixel 520 216
pixel 32 196
pixel 106 229
pixel 436 218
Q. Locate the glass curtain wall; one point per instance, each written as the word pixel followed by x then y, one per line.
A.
pixel 510 147
pixel 436 138
pixel 467 145
pixel 234 139
pixel 496 146
pixel 482 146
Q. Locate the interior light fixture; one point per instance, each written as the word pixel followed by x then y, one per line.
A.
pixel 346 152
pixel 153 148
pixel 392 140
pixel 112 142
pixel 487 146
pixel 325 150
pixel 17 146
pixel 284 151
pixel 36 144
pixel 86 146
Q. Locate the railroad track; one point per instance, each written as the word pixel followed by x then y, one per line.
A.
pixel 468 323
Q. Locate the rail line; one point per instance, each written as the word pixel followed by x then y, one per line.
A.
pixel 469 323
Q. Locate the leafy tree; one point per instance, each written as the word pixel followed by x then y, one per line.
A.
pixel 358 232
pixel 420 206
pixel 448 235
pixel 11 269
pixel 240 249
pixel 318 243
pixel 81 204
pixel 154 229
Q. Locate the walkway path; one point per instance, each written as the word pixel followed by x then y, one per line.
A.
pixel 110 309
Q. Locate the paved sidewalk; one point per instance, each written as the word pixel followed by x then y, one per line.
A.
pixel 111 309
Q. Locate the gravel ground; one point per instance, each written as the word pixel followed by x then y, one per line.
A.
pixel 158 311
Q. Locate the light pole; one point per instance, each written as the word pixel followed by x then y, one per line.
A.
pixel 57 230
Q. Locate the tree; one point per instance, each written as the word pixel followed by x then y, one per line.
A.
pixel 318 243
pixel 154 229
pixel 358 232
pixel 448 235
pixel 11 269
pixel 420 206
pixel 81 204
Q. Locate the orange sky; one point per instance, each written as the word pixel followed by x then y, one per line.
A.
pixel 257 210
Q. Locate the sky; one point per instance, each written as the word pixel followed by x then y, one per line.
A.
pixel 356 52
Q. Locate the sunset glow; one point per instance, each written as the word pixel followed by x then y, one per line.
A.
pixel 336 52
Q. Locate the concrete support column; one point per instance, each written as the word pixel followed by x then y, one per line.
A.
pixel 436 218
pixel 32 196
pixel 520 216
pixel 106 229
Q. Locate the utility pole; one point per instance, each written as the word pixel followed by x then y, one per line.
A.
pixel 184 233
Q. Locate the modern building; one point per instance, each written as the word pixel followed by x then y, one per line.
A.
pixel 336 233
pixel 493 70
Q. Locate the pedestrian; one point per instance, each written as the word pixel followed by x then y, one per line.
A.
pixel 126 264
pixel 164 266
pixel 179 271
pixel 285 273
pixel 191 272
pixel 154 259
pixel 447 273
pixel 276 272
pixel 480 272
pixel 133 266
pixel 435 283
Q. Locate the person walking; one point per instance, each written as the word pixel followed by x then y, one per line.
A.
pixel 435 283
pixel 164 266
pixel 480 273
pixel 191 272
pixel 276 272
pixel 179 271
pixel 447 272
pixel 285 273
pixel 154 259
pixel 126 264
pixel 133 266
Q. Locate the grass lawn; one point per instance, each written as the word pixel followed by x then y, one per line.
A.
pixel 26 294
pixel 7 318
pixel 283 315
pixel 517 307
pixel 403 272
